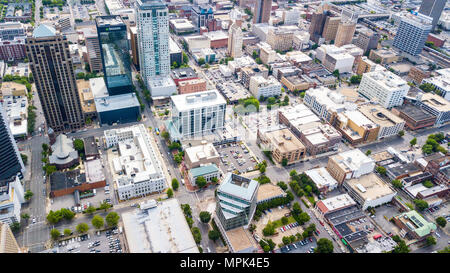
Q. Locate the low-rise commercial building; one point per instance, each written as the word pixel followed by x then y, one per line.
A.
pixel 199 155
pixel 16 110
pixel 414 116
pixel 86 99
pixel 162 87
pixel 323 180
pixel 248 72
pixel 384 56
pixel 413 225
pixel 441 82
pixel 283 144
pixel 192 86
pixel 181 26
pixel 389 124
pixel 418 73
pixel 183 74
pixel 122 108
pixel 296 83
pixel 326 103
pixel 69 182
pixel 319 138
pixel 208 172
pixel 141 169
pixel 400 170
pixel 355 127
pixel 268 192
pixel 259 86
pixel 435 105
pixel 158 227
pixel 349 164
pixel 369 190
pixel 335 203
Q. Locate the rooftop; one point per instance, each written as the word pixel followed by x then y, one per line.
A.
pixel 90 146
pixel 352 160
pixel 416 223
pixel 299 115
pixel 398 169
pixel 208 98
pixel 436 102
pixel 183 73
pixel 335 203
pixel 66 180
pixel 240 240
pixel 284 140
pixel 200 152
pixel 116 102
pixel 268 191
pixel 62 151
pixel 160 229
pixel 94 171
pixel 370 187
pixel 204 170
pixel 414 112
pixel 321 177
pixel 44 31
pixel 238 186
pixel 386 79
pixel 380 115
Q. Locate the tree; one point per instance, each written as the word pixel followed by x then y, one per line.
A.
pixel 67 214
pixel 336 73
pixel 175 184
pixel 25 216
pixel 205 216
pixel 401 133
pixel 428 184
pixel 78 144
pixel 441 221
pixel 355 79
pixel 197 235
pixel 397 183
pixel 49 169
pixel 368 152
pixel 28 194
pixel 381 170
pixel 54 217
pixel 427 149
pixel 282 185
pixel 112 219
pixel 296 209
pixel 165 135
pixel 45 147
pixel 186 209
pixel 185 58
pixel 284 162
pixel 413 141
pixel 82 228
pixel 90 210
pixel 269 229
pixel 200 181
pixel 284 220
pixel 213 235
pixel 104 205
pixel 54 233
pixel 201 61
pixel 214 180
pixel 431 240
pixel 303 218
pixel 427 87
pixel 169 193
pixel 98 221
pixel 324 246
pixel 67 232
pixel 24 158
pixel 420 204
pixel 286 240
pixel 262 169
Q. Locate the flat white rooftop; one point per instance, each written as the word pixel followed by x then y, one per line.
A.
pixel 203 99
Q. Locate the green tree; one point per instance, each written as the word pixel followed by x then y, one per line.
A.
pixel 54 217
pixel 186 209
pixel 428 184
pixel 431 240
pixel 201 61
pixel 98 222
pixel 24 158
pixel 104 206
pixel 269 229
pixel 214 180
pixel 262 169
pixel 165 135
pixel 324 246
pixel 28 194
pixel 355 79
pixel 368 152
pixel 286 240
pixel 67 214
pixel 175 184
pixel 200 181
pixel 284 220
pixel 67 232
pixel 25 216
pixel 381 170
pixel 397 183
pixel 205 216
pixel 441 221
pixel 197 235
pixel 427 149
pixel 420 204
pixel 296 209
pixel 413 141
pixel 78 144
pixel 169 193
pixel 427 87
pixel 90 210
pixel 112 219
pixel 401 133
pixel 213 235
pixel 303 218
pixel 54 233
pixel 82 228
pixel 284 161
pixel 282 185
pixel 445 250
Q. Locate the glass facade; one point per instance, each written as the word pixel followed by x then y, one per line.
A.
pixel 115 51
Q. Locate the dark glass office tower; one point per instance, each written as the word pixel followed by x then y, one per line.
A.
pixel 115 52
pixel 432 8
pixel 10 161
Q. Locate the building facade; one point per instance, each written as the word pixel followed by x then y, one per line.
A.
pixel 235 41
pixel 259 86
pixel 345 32
pixel 263 8
pixel 93 50
pixel 52 68
pixel 432 8
pixel 412 33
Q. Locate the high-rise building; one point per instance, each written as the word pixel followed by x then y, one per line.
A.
pixel 153 39
pixel 367 40
pixel 197 114
pixel 236 201
pixel 134 46
pixel 52 68
pixel 412 33
pixel 8 243
pixel 432 8
pixel 317 24
pixel 383 87
pixel 11 161
pixel 262 11
pixel 344 34
pixel 11 200
pixel 115 52
pixel 330 28
pixel 202 15
pixel 235 41
pixel 93 50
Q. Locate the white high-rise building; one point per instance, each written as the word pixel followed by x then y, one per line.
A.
pixel 383 87
pixel 153 39
pixel 235 40
pixel 197 114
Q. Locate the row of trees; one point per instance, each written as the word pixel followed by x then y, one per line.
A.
pixel 432 144
pixel 302 185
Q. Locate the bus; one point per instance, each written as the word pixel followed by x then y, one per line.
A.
pixel 343 241
pixel 378 236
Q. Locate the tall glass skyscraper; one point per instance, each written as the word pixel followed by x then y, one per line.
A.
pixel 152 19
pixel 432 8
pixel 115 52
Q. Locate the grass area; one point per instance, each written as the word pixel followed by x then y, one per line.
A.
pixel 278 222
pixel 304 203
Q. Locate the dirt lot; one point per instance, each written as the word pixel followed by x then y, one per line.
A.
pixel 276 214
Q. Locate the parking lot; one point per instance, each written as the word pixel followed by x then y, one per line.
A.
pixel 68 201
pixel 305 246
pixel 382 216
pixel 99 242
pixel 235 157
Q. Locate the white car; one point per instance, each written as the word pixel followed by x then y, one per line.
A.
pixel 34 220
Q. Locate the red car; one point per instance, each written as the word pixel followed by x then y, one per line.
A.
pixel 321 223
pixel 310 239
pixel 318 231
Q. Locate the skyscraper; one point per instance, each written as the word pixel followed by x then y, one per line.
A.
pixel 10 160
pixel 330 28
pixel 412 33
pixel 263 8
pixel 344 34
pixel 93 49
pixel 235 41
pixel 432 8
pixel 152 19
pixel 115 52
pixel 52 68
pixel 8 243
